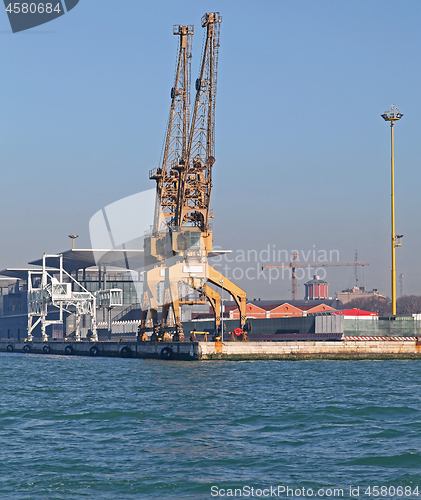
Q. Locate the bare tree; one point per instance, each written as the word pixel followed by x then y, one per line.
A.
pixel 373 304
pixel 409 304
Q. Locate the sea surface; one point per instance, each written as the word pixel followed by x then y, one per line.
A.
pixel 105 428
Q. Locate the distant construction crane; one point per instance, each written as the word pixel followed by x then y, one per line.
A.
pixel 294 265
pixel 356 267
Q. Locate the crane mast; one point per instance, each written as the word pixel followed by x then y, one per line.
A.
pixel 175 145
pixel 196 176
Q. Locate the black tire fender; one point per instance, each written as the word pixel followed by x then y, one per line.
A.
pixel 166 353
pixel 126 352
pixel 26 348
pixel 68 350
pixel 10 348
pixel 46 349
pixel 94 351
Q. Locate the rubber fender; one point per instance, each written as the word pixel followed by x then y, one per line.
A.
pixel 26 348
pixel 126 352
pixel 94 351
pixel 68 350
pixel 10 348
pixel 166 353
pixel 46 349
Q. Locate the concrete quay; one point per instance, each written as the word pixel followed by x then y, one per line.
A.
pixel 125 349
pixel 409 348
pixel 387 348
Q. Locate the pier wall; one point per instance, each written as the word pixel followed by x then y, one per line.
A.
pixel 372 349
pixel 409 348
pixel 132 349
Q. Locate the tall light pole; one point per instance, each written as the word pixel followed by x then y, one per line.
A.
pixel 222 310
pixel 393 116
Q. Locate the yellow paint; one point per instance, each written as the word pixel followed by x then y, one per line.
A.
pixel 393 224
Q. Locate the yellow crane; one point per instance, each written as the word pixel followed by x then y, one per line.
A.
pixel 180 242
pixel 294 265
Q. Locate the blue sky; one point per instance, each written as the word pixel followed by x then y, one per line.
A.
pixel 302 154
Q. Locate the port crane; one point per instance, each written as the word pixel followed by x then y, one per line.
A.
pixel 180 241
pixel 294 265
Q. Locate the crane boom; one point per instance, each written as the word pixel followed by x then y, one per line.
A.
pixel 317 264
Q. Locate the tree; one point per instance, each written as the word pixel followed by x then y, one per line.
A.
pixel 373 304
pixel 409 304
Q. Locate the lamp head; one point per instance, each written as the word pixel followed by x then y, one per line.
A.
pixel 393 115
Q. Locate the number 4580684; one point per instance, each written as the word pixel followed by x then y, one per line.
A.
pixel 391 491
pixel 32 8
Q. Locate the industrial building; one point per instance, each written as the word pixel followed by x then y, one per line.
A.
pixel 356 292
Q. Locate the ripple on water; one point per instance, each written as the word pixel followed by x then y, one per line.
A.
pixel 74 427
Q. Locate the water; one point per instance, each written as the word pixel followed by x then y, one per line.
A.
pixel 87 428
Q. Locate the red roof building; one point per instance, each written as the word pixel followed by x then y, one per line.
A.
pixel 280 310
pixel 268 311
pixel 274 309
pixel 318 308
pixel 355 312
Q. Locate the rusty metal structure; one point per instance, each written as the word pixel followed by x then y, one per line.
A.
pixel 294 265
pixel 180 241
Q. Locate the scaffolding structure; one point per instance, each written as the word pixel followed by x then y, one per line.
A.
pixel 48 288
